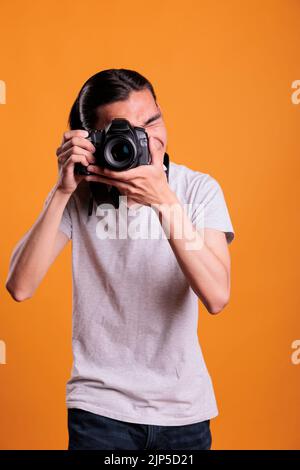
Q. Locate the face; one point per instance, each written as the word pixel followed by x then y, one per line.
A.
pixel 140 110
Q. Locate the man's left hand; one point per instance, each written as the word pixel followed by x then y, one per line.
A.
pixel 145 184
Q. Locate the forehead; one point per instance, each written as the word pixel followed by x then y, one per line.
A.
pixel 139 106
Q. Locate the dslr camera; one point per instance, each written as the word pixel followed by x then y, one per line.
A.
pixel 120 146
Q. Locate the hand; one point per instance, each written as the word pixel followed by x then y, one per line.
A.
pixel 75 148
pixel 145 184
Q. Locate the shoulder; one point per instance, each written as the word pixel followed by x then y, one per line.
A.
pixel 191 184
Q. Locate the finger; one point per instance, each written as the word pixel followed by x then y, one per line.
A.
pixel 125 175
pixel 74 133
pixel 78 142
pixel 76 151
pixel 70 162
pixel 100 179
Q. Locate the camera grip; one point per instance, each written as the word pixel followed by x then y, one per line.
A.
pixel 80 169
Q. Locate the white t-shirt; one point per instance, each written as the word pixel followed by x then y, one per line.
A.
pixel 136 353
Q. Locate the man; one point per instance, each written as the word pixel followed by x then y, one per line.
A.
pixel 139 379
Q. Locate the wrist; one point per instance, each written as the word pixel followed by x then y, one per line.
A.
pixel 168 199
pixel 61 192
pixel 168 206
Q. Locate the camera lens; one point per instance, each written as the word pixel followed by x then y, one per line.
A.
pixel 119 153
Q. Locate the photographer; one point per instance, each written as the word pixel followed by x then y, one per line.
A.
pixel 139 379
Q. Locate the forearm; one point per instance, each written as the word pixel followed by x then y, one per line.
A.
pixel 31 256
pixel 204 271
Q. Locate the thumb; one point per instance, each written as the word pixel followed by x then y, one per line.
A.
pixel 154 151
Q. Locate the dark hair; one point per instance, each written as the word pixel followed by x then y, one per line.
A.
pixel 104 87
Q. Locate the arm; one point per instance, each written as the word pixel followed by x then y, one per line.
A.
pixel 37 250
pixel 205 261
pixel 40 246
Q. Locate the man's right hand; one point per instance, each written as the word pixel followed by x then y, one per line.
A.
pixel 75 148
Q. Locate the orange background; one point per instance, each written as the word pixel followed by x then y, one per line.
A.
pixel 222 71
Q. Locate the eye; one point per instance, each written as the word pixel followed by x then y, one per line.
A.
pixel 154 123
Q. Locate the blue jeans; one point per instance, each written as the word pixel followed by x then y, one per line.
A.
pixel 92 431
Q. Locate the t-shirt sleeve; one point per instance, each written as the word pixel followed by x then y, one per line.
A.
pixel 66 219
pixel 210 209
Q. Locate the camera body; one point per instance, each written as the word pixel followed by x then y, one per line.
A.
pixel 120 146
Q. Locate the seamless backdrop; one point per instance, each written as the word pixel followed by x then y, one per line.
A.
pixel 223 73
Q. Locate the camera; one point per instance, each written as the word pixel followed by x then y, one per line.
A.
pixel 120 146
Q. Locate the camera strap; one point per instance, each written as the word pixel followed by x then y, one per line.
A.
pixel 100 192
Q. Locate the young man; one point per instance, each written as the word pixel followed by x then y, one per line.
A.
pixel 139 379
